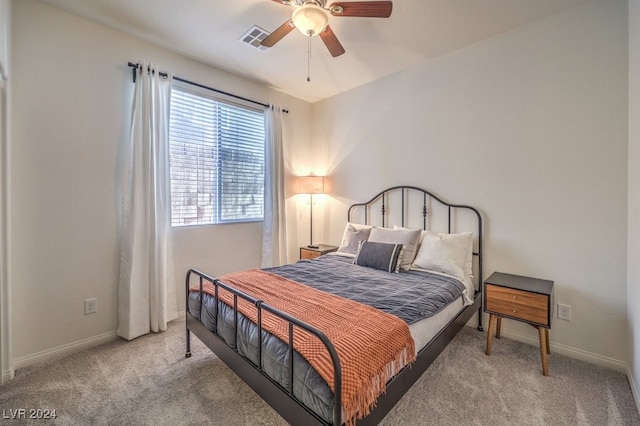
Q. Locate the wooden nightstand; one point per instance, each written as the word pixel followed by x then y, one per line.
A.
pixel 312 253
pixel 523 299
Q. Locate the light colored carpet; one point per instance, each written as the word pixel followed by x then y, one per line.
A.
pixel 149 382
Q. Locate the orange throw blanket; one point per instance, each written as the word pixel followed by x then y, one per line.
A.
pixel 373 346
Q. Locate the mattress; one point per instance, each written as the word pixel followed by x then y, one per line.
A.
pixel 424 321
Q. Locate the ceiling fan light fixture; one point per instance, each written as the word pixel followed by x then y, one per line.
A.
pixel 310 19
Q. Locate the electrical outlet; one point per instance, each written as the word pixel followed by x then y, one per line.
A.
pixel 90 306
pixel 564 312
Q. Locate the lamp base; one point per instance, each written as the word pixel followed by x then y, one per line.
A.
pixel 313 246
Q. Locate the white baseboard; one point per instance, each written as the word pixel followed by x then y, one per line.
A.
pixel 601 360
pixel 62 350
pixel 634 389
pixel 67 349
pixel 7 375
pixel 569 351
pixel 582 355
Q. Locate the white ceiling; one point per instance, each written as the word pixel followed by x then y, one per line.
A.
pixel 417 31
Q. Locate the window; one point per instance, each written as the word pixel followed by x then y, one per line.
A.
pixel 216 155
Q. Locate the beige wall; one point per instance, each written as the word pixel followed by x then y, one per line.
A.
pixel 72 96
pixel 6 369
pixel 633 279
pixel 531 128
pixel 5 34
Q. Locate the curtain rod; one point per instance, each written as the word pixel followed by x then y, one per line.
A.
pixel 164 74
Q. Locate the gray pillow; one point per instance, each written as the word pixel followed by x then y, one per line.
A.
pixel 353 234
pixel 409 238
pixel 380 256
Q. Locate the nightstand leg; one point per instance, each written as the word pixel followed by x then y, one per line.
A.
pixel 546 333
pixel 492 323
pixel 543 350
pixel 498 326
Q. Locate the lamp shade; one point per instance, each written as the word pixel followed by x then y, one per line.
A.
pixel 311 185
pixel 310 19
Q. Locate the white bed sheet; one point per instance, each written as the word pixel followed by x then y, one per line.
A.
pixel 424 330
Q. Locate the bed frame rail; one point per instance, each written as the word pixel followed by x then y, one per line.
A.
pixel 283 400
pixel 231 356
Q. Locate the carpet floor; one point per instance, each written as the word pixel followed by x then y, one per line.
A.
pixel 149 382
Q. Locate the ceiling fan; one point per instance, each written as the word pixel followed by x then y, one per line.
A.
pixel 311 17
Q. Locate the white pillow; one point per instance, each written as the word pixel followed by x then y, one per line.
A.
pixel 353 234
pixel 409 238
pixel 451 254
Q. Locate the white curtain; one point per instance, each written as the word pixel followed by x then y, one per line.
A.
pixel 146 296
pixel 274 237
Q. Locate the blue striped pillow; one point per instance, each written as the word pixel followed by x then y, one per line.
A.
pixel 382 256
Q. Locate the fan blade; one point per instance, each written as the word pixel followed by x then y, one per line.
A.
pixel 331 41
pixel 278 34
pixel 364 9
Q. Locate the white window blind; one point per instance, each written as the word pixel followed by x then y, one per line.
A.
pixel 216 159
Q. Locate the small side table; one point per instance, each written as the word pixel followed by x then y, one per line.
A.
pixel 307 252
pixel 523 299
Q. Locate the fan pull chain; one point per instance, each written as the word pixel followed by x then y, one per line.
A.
pixel 308 57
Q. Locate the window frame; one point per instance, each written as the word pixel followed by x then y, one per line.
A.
pixel 216 215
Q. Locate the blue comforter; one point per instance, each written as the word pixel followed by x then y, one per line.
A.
pixel 410 296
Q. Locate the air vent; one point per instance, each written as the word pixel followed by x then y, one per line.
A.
pixel 254 37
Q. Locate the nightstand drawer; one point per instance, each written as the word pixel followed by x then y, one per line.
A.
pixel 316 251
pixel 517 304
pixel 309 254
pixel 521 298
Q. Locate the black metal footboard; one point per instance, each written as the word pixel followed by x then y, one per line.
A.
pixel 281 399
pixel 291 408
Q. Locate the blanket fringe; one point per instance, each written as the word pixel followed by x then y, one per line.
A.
pixel 366 370
pixel 365 399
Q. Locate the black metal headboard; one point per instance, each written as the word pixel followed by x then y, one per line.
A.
pixel 417 204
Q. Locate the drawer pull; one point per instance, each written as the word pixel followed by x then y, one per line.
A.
pixel 515 310
pixel 515 297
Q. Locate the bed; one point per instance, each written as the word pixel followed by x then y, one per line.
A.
pixel 264 333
